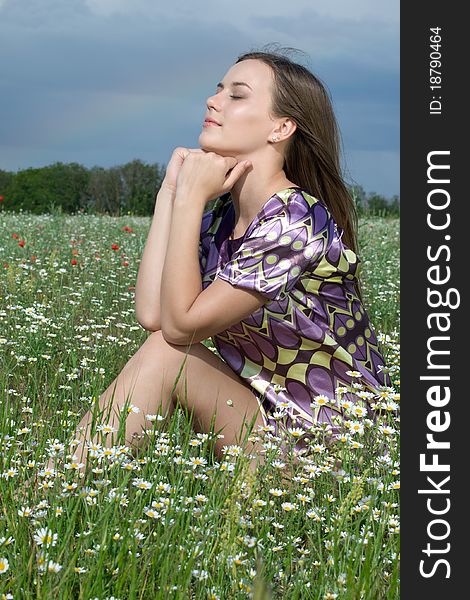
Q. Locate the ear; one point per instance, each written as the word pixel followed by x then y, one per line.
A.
pixel 284 129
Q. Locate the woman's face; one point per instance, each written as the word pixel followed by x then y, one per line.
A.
pixel 243 111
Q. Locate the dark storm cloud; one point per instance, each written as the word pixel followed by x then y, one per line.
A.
pixel 103 82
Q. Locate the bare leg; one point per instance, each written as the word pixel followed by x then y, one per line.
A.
pixel 148 382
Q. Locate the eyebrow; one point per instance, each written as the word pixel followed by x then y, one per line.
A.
pixel 234 83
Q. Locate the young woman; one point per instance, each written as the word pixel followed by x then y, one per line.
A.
pixel 269 271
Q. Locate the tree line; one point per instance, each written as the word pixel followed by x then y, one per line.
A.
pixel 128 189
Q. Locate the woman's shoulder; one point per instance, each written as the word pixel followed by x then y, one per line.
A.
pixel 298 202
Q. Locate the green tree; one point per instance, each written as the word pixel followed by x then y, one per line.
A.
pixel 38 189
pixel 377 205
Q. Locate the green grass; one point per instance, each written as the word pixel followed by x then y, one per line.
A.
pixel 172 522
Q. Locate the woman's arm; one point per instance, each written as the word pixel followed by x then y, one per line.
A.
pixel 147 288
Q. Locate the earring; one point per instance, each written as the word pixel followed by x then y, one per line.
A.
pixel 275 138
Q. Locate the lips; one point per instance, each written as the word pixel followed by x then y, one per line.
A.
pixel 213 121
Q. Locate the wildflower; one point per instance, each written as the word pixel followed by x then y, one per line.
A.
pixel 354 373
pixel 359 411
pixel 296 431
pixel 276 492
pixel 232 450
pixel 313 514
pixel 106 428
pixel 387 430
pixel 45 536
pixel 355 427
pixel 52 567
pixel 10 473
pixel 79 570
pixel 142 484
pixel 320 400
pixel 346 404
pixel 47 472
pixel 25 512
pixel 288 506
pixel 196 461
pixel 355 444
pixel 153 418
pixel 74 466
pixel 4 565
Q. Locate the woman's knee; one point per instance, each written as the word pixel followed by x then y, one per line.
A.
pixel 157 353
pixel 152 348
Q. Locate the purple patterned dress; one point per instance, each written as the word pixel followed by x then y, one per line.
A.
pixel 313 327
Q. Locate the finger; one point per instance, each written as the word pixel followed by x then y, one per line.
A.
pixel 236 173
pixel 231 162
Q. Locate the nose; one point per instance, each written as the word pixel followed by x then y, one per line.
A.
pixel 212 102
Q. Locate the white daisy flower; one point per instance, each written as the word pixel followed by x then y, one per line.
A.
pixel 354 373
pixel 45 536
pixel 4 565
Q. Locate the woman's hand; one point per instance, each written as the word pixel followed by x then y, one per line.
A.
pixel 174 166
pixel 208 174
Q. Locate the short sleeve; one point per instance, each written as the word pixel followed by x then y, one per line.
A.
pixel 281 248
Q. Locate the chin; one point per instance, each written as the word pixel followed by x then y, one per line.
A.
pixel 207 146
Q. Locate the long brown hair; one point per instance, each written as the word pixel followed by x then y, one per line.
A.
pixel 312 157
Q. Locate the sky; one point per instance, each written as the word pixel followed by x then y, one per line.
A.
pixel 103 82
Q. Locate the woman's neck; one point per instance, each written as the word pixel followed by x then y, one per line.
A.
pixel 251 192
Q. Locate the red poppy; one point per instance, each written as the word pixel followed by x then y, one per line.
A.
pixel 21 243
pixel 126 228
pixel 2 198
pixel 15 235
pixel 73 262
pixel 125 263
pixel 115 247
